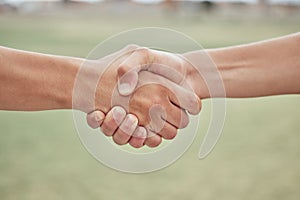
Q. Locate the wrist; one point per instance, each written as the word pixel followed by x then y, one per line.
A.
pixel 82 93
pixel 195 75
pixel 213 72
pixel 229 64
pixel 67 67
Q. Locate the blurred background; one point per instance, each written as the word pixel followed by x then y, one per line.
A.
pixel 257 157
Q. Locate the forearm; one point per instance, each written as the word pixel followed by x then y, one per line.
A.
pixel 260 69
pixel 31 81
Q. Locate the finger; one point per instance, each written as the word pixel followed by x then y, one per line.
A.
pixel 157 113
pixel 168 65
pixel 185 99
pixel 138 137
pixel 112 120
pixel 167 117
pixel 126 129
pixel 95 119
pixel 153 140
pixel 176 116
pixel 179 95
pixel 168 132
pixel 128 83
pixel 129 68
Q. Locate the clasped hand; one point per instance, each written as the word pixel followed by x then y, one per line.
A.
pixel 137 95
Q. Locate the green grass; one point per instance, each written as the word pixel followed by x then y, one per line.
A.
pixel 257 156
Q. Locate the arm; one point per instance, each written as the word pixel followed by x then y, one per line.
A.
pixel 32 81
pixel 265 68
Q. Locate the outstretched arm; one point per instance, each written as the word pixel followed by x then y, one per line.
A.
pixel 270 67
pixel 32 81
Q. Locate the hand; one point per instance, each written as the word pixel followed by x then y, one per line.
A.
pixel 143 58
pixel 148 103
pixel 103 102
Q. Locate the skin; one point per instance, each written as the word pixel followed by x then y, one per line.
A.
pixel 31 82
pixel 265 68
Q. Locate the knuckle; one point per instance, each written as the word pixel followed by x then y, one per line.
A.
pixel 123 69
pixel 194 104
pixel 156 143
pixel 106 131
pixel 108 127
pixel 143 50
pixel 111 123
pixel 119 139
pixel 136 144
pixel 131 47
pixel 184 120
pixel 192 100
pixel 153 141
pixel 145 53
pixel 92 122
pixel 170 135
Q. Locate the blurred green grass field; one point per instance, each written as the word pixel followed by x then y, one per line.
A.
pixel 257 157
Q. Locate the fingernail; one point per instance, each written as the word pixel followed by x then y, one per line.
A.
pixel 128 125
pixel 132 119
pixel 140 133
pixel 98 118
pixel 118 114
pixel 125 88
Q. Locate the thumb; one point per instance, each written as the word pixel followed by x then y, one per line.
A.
pixel 127 81
pixel 129 69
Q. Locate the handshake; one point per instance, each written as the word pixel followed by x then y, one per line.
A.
pixel 138 95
